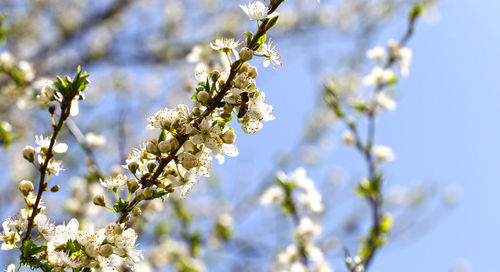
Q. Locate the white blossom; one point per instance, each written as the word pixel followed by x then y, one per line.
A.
pixel 377 54
pixel 53 167
pixel 257 11
pixel 379 76
pixel 307 227
pixel 114 183
pixel 272 195
pixel 383 153
pixel 226 45
pixel 44 143
pixel 384 101
pixel 270 53
pixel 95 139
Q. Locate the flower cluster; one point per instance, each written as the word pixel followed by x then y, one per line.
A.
pixel 177 253
pixel 307 194
pixel 65 247
pixel 189 138
pixel 296 256
pixel 21 71
pixel 395 53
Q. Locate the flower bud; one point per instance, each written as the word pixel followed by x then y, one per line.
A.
pixel 215 75
pixel 136 211
pixel 189 161
pixel 164 146
pixel 151 166
pixel 55 188
pixel 29 153
pixel 196 110
pixel 139 194
pixel 246 54
pixel 229 137
pixel 106 250
pixel 151 147
pixel 241 81
pixel 203 97
pixel 148 192
pixel 118 229
pixel 26 187
pixel 174 143
pixel 228 108
pixel 99 200
pixel 348 138
pixel 132 185
pixel 188 146
pixel 244 67
pixel 133 166
pixel 252 71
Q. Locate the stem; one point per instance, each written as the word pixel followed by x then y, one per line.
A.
pixel 375 201
pixel 301 243
pixel 65 109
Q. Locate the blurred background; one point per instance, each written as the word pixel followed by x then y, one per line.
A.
pixel 143 55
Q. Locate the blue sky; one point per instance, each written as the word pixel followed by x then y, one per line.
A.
pixel 445 129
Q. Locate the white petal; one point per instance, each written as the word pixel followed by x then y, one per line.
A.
pixel 60 148
pixel 74 108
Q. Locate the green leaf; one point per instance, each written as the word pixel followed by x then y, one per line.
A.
pixel 120 205
pixel 272 22
pixel 249 36
pixel 262 39
pixel 162 136
pixel 160 193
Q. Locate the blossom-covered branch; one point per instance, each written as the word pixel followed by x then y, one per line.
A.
pixel 181 153
pixel 370 188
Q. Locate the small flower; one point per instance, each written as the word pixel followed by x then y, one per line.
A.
pixel 379 76
pixel 93 139
pixel 258 112
pixel 377 54
pixel 163 118
pixel 405 56
pixel 401 54
pixel 383 153
pixel 270 53
pixel 6 59
pixel 225 45
pixel 273 194
pixel 348 138
pixel 257 11
pixel 44 143
pixel 53 167
pixel 114 183
pixel 47 93
pixel 307 227
pixel 384 101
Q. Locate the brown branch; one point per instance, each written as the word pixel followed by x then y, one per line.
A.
pixel 376 201
pixel 65 109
